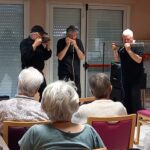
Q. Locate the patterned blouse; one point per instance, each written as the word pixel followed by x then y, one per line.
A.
pixel 21 108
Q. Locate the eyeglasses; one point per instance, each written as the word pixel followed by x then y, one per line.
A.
pixel 72 35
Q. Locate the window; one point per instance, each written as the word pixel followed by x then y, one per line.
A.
pixel 11 33
pixel 105 26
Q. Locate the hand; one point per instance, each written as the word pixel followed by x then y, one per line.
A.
pixel 46 45
pixel 37 42
pixel 127 46
pixel 35 35
pixel 68 41
pixel 73 42
pixel 114 47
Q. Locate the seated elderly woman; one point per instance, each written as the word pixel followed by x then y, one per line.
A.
pixel 23 107
pixel 60 101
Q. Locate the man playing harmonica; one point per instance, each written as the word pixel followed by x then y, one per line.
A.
pixel 69 52
pixel 35 50
pixel 131 69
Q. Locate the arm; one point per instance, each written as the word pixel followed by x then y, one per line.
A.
pixel 42 48
pixel 36 43
pixel 29 48
pixel 115 52
pixel 98 143
pixel 78 50
pixel 63 52
pixel 26 50
pixel 47 52
pixel 133 55
pixel 27 141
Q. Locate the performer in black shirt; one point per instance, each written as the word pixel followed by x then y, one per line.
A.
pixel 131 69
pixel 35 50
pixel 69 52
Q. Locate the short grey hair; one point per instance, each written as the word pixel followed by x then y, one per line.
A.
pixel 100 85
pixel 29 81
pixel 127 32
pixel 72 28
pixel 60 101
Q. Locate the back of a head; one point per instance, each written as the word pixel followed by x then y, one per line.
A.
pixel 100 85
pixel 60 101
pixel 127 32
pixel 29 81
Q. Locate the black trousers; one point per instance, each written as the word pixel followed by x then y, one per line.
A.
pixel 132 96
pixel 41 89
pixel 77 81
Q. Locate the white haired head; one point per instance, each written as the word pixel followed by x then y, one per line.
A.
pixel 29 81
pixel 127 36
pixel 59 101
pixel 127 32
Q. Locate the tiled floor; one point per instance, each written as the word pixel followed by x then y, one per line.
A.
pixel 144 130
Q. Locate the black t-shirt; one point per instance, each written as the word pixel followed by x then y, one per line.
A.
pixel 131 70
pixel 36 58
pixel 71 62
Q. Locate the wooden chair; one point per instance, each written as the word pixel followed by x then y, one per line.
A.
pixel 14 130
pixel 143 118
pixel 116 132
pixel 3 145
pixel 87 99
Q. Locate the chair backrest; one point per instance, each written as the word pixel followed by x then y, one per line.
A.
pixel 14 130
pixel 117 133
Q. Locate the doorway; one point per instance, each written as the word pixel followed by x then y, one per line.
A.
pixel 98 28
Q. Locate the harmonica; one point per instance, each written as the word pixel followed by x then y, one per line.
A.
pixel 45 39
pixel 136 44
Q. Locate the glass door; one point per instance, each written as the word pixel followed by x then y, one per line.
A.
pixel 62 18
pixel 98 28
pixel 104 26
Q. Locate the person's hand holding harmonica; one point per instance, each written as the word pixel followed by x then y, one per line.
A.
pixel 114 46
pixel 127 47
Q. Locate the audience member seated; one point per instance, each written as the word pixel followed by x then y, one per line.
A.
pixel 103 106
pixel 60 101
pixel 23 107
